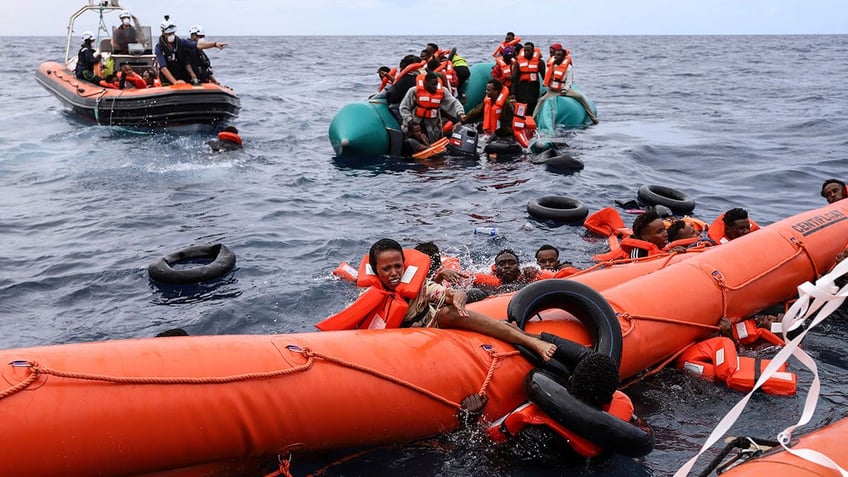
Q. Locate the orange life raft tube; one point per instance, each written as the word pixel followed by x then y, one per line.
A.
pixel 151 405
pixel 829 440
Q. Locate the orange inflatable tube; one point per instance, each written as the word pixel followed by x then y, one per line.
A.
pixel 154 405
pixel 829 440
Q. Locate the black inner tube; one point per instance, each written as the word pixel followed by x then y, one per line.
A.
pixel 222 262
pixel 586 304
pixel 558 209
pixel 677 201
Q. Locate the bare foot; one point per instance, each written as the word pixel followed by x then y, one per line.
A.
pixel 543 348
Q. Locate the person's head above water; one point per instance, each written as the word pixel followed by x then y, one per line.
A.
pixel 650 228
pixel 833 190
pixel 386 260
pixel 736 223
pixel 506 266
pixel 594 380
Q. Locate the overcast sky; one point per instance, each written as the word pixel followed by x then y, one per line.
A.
pixel 458 17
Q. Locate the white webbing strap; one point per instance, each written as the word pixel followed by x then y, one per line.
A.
pixel 826 298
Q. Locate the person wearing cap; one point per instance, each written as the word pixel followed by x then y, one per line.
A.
pixel 87 59
pixel 199 61
pixel 124 34
pixel 502 71
pixel 173 54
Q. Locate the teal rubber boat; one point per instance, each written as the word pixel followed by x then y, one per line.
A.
pixel 368 129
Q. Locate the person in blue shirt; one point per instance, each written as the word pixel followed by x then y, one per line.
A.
pixel 86 60
pixel 174 55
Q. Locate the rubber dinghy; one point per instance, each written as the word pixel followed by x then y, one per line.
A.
pixel 146 107
pixel 368 129
pixel 829 440
pixel 152 405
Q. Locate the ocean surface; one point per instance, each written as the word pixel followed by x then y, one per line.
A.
pixel 751 121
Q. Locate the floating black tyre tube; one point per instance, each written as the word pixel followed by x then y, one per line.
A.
pixel 223 261
pixel 580 300
pixel 679 202
pixel 503 147
pixel 558 209
pixel 594 425
pixel 564 163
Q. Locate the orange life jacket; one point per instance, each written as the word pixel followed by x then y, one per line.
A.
pixel 387 79
pixel 409 69
pixel 528 69
pixel 230 136
pixel 345 271
pixel 555 76
pixel 523 126
pixel 447 67
pixel 428 103
pixel 716 359
pixel 717 229
pixel 550 61
pixel 505 44
pixel 107 84
pixel 492 111
pixel 747 332
pixel 487 279
pixel 379 307
pixel 506 69
pixel 629 244
pixel 133 78
pixel 530 414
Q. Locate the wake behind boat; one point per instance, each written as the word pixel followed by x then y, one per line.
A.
pixel 144 106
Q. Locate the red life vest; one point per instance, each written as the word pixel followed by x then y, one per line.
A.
pixel 428 103
pixel 530 414
pixel 529 68
pixel 133 78
pixel 716 359
pixel 628 244
pixel 229 136
pixel 378 307
pixel 447 67
pixel 506 69
pixel 747 332
pixel 505 44
pixel 555 76
pixel 387 79
pixel 492 111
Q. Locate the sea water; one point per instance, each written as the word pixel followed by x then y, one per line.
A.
pixel 734 121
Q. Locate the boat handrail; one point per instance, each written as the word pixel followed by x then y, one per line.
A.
pixel 93 5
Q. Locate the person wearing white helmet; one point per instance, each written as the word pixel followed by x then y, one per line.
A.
pixel 86 59
pixel 174 55
pixel 124 34
pixel 199 61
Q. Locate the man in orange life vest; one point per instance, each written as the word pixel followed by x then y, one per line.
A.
pixel 495 110
pixel 558 80
pixel 426 102
pixel 394 299
pixel 527 72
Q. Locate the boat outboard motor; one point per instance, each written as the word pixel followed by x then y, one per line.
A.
pixel 463 141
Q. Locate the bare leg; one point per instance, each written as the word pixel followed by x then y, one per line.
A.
pixel 449 318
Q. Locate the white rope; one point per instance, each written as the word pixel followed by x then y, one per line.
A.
pixel 826 298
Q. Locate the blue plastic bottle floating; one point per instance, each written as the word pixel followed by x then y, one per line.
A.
pixel 490 231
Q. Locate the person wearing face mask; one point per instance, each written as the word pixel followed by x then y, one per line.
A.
pixel 124 34
pixel 173 54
